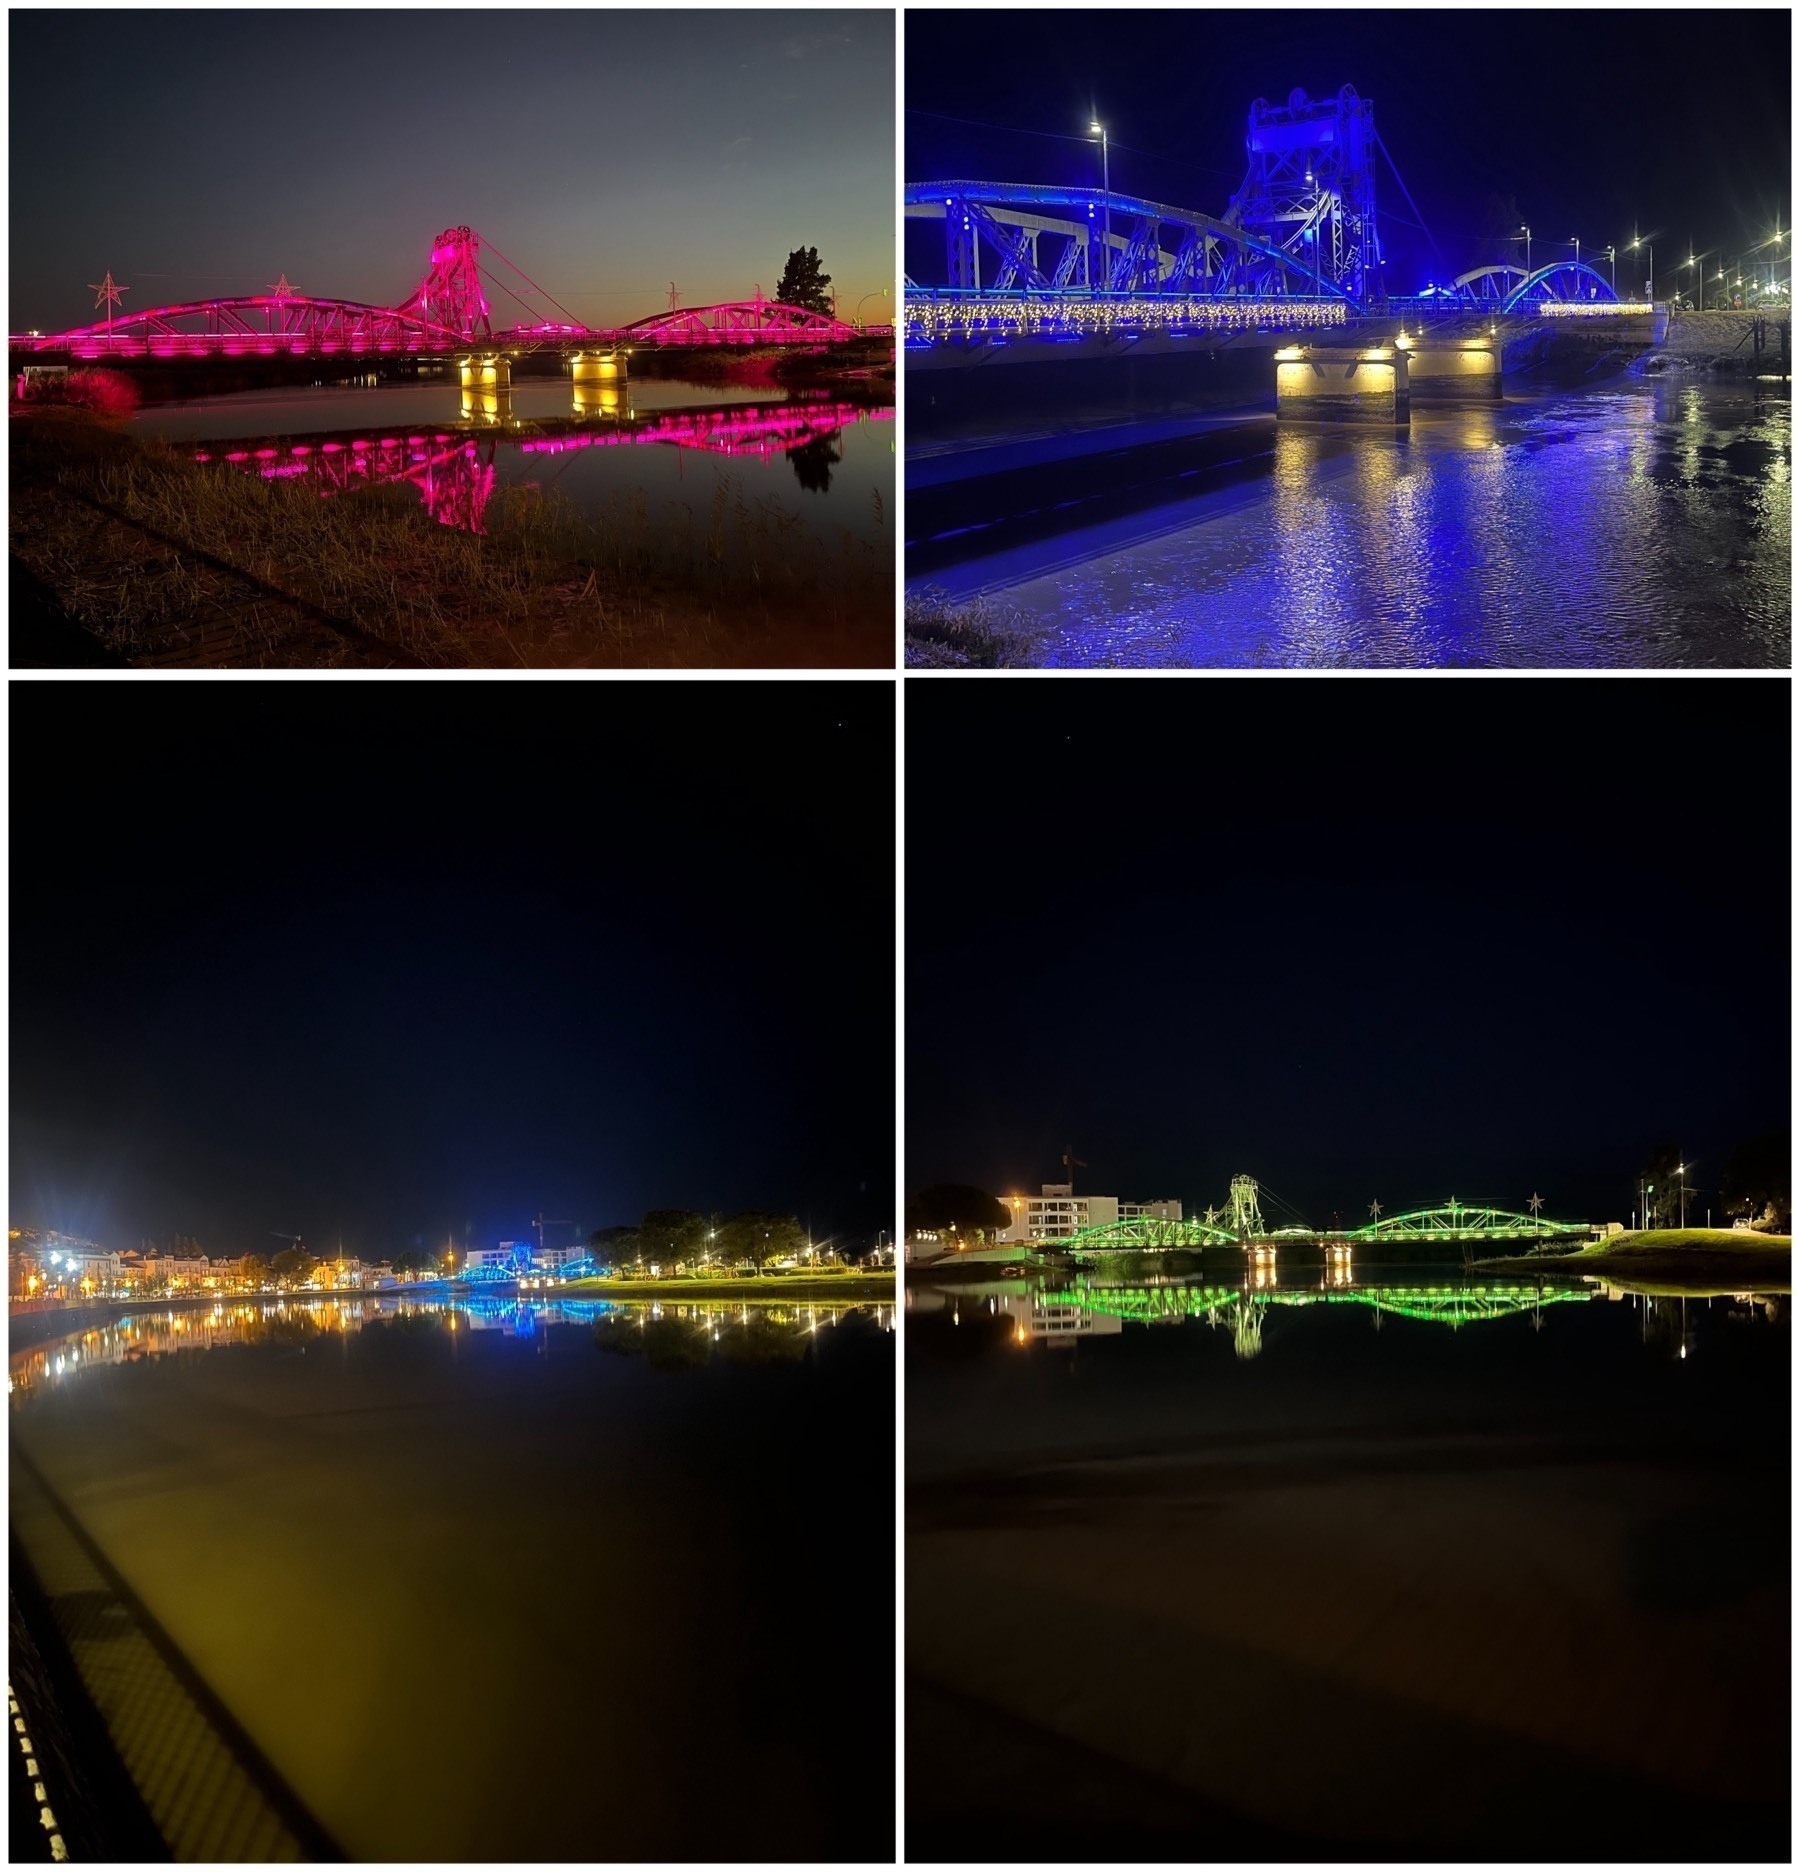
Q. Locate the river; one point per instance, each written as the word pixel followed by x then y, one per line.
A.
pixel 820 458
pixel 1352 1563
pixel 483 1581
pixel 1645 523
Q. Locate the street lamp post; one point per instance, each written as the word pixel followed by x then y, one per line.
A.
pixel 1523 229
pixel 1612 269
pixel 1095 129
pixel 864 300
pixel 1650 283
pixel 1693 260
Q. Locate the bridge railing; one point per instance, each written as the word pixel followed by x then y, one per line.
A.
pixel 936 317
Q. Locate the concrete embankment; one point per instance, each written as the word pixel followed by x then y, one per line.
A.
pixel 1726 338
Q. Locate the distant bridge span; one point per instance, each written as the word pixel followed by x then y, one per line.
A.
pixel 447 316
pixel 1299 245
pixel 1240 1224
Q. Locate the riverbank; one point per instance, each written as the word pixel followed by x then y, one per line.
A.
pixel 1724 1258
pixel 158 560
pixel 765 1289
pixel 979 634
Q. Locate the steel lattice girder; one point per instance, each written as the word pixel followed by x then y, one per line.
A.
pixel 1147 1233
pixel 743 321
pixel 1461 1221
pixel 1489 283
pixel 232 327
pixel 1218 256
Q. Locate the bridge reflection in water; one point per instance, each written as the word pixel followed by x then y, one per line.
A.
pixel 1060 1312
pixel 454 465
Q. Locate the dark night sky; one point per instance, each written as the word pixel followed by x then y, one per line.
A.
pixel 1670 124
pixel 202 154
pixel 1403 940
pixel 400 958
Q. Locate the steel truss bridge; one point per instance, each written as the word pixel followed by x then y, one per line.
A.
pixel 446 316
pixel 1299 244
pixel 1456 1221
pixel 1240 1224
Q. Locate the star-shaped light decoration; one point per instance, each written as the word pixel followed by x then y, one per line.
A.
pixel 107 294
pixel 281 289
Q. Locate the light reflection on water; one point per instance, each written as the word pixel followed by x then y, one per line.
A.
pixel 1646 524
pixel 1094 1305
pixel 139 1336
pixel 825 457
pixel 460 1575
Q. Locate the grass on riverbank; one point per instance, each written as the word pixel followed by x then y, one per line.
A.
pixel 977 635
pixel 740 582
pixel 1727 1255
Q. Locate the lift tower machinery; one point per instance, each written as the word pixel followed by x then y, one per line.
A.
pixel 1310 190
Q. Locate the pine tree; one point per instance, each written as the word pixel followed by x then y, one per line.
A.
pixel 802 284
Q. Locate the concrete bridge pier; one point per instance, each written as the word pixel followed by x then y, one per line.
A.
pixel 486 386
pixel 1365 385
pixel 1453 370
pixel 600 382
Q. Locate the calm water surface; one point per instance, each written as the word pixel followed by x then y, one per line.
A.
pixel 1360 1562
pixel 821 456
pixel 498 1581
pixel 1646 523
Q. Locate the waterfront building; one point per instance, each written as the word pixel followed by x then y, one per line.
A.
pixel 1059 1212
pixel 510 1259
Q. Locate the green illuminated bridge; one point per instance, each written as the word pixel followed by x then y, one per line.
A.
pixel 1240 1224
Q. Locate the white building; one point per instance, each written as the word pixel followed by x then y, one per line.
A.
pixel 1059 1212
pixel 551 1260
pixel 1164 1209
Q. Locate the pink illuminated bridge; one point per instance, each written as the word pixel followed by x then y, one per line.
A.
pixel 447 316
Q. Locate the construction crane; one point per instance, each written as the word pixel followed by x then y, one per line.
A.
pixel 542 1222
pixel 1071 1163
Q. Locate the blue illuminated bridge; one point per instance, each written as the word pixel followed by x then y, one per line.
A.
pixel 1298 248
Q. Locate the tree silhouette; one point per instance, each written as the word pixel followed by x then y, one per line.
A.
pixel 813 462
pixel 957 1206
pixel 802 284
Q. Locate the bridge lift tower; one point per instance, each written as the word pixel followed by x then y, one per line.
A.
pixel 1246 1211
pixel 1310 188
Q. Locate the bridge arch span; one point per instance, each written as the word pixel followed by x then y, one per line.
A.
pixel 1564 279
pixel 738 322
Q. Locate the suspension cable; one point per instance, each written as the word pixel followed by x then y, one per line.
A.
pixel 535 287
